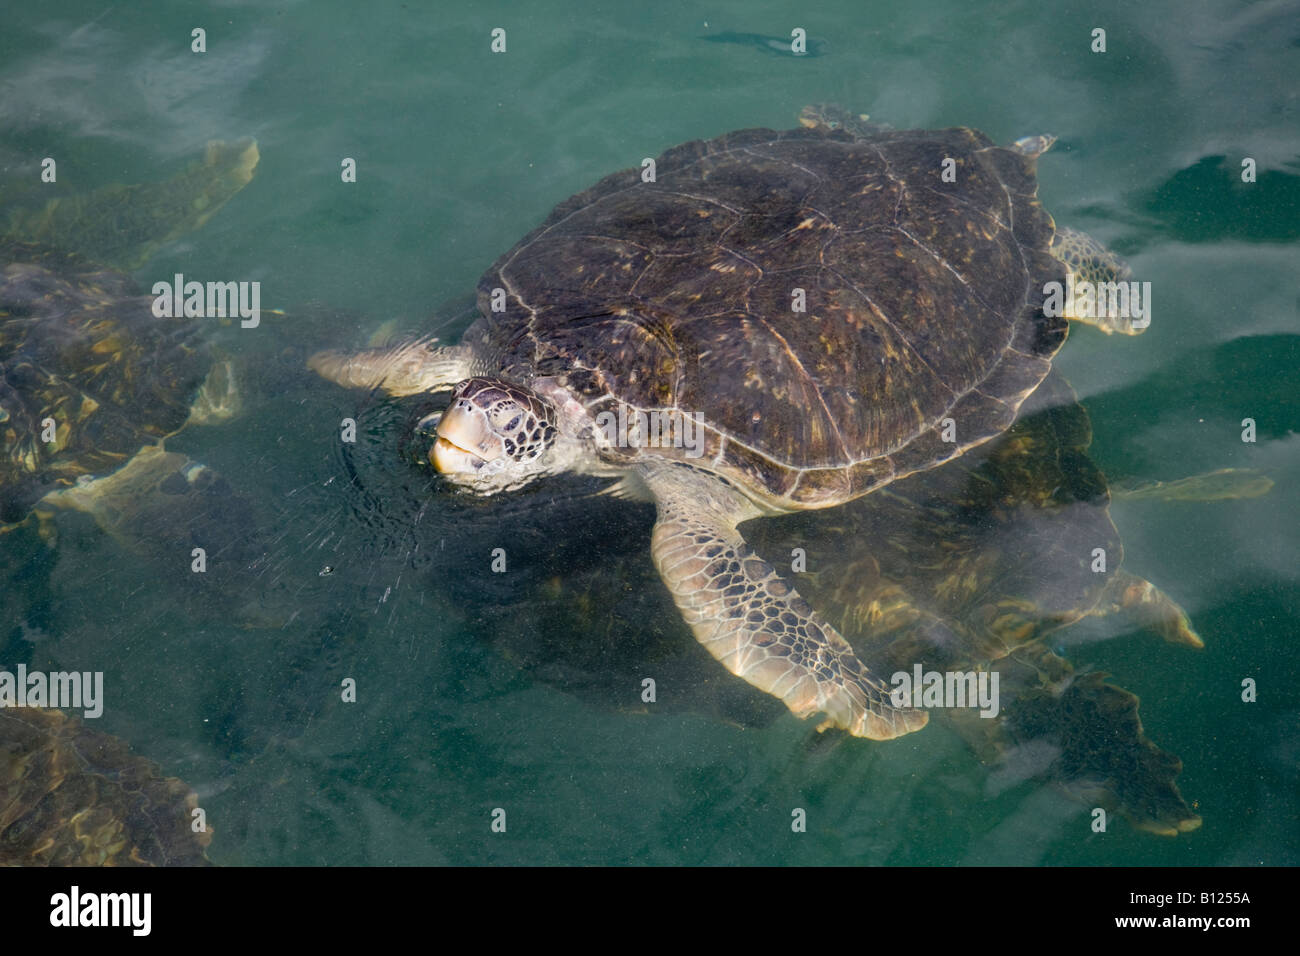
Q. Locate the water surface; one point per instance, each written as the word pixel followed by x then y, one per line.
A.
pixel 459 154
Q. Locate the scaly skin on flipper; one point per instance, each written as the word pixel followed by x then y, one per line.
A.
pixel 1088 261
pixel 1091 262
pixel 405 369
pixel 752 621
pixel 122 226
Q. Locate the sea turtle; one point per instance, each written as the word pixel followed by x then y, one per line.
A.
pixel 978 564
pixel 771 322
pixel 88 374
pixel 72 796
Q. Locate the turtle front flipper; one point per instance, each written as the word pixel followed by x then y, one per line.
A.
pixel 1224 484
pixel 754 622
pixel 1152 608
pixel 1098 273
pixel 407 369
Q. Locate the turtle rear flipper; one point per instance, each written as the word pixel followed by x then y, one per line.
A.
pixel 1033 146
pixel 1088 733
pixel 1150 606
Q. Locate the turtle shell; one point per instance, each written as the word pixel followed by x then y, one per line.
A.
pixel 80 346
pixel 72 796
pixel 820 302
pixel 1001 540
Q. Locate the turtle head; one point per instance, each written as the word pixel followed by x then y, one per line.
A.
pixel 495 436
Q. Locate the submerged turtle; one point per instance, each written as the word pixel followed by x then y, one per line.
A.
pixel 973 565
pixel 809 315
pixel 72 796
pixel 122 225
pixel 88 374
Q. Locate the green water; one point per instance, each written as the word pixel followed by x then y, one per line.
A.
pixel 459 153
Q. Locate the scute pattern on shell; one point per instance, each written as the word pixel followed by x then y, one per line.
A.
pixel 72 796
pixel 923 300
pixel 80 345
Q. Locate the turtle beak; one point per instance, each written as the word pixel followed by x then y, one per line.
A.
pixel 465 442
